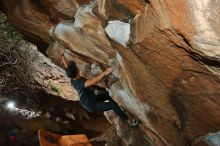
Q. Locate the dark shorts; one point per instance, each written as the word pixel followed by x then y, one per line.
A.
pixel 90 102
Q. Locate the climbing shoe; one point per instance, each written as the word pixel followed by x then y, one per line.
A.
pixel 134 123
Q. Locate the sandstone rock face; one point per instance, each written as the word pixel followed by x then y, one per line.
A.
pixel 166 74
pixel 50 76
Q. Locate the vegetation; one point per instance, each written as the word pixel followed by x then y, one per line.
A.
pixel 15 71
pixel 7 31
pixel 54 87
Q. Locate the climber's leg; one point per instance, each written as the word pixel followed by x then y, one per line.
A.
pixel 103 96
pixel 105 106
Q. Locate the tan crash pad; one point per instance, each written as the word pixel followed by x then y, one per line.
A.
pixel 50 139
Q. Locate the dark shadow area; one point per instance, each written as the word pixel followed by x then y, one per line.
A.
pixel 26 128
pixel 98 143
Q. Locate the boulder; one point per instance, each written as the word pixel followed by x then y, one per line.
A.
pixel 166 73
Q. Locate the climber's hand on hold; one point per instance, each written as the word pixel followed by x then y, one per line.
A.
pixel 64 59
pixel 97 78
pixel 108 71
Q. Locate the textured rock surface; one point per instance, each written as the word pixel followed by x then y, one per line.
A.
pixel 130 136
pixel 168 74
pixel 50 76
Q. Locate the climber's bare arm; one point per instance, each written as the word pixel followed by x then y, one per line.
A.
pixel 97 78
pixel 65 61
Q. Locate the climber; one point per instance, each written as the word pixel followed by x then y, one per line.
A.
pixel 93 97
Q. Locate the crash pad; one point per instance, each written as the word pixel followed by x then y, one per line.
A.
pixel 47 138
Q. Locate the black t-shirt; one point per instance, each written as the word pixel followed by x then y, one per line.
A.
pixel 85 94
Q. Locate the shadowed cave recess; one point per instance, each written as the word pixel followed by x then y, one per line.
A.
pixel 165 56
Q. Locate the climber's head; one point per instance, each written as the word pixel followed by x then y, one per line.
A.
pixel 72 70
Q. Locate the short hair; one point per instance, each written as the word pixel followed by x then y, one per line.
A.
pixel 71 70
